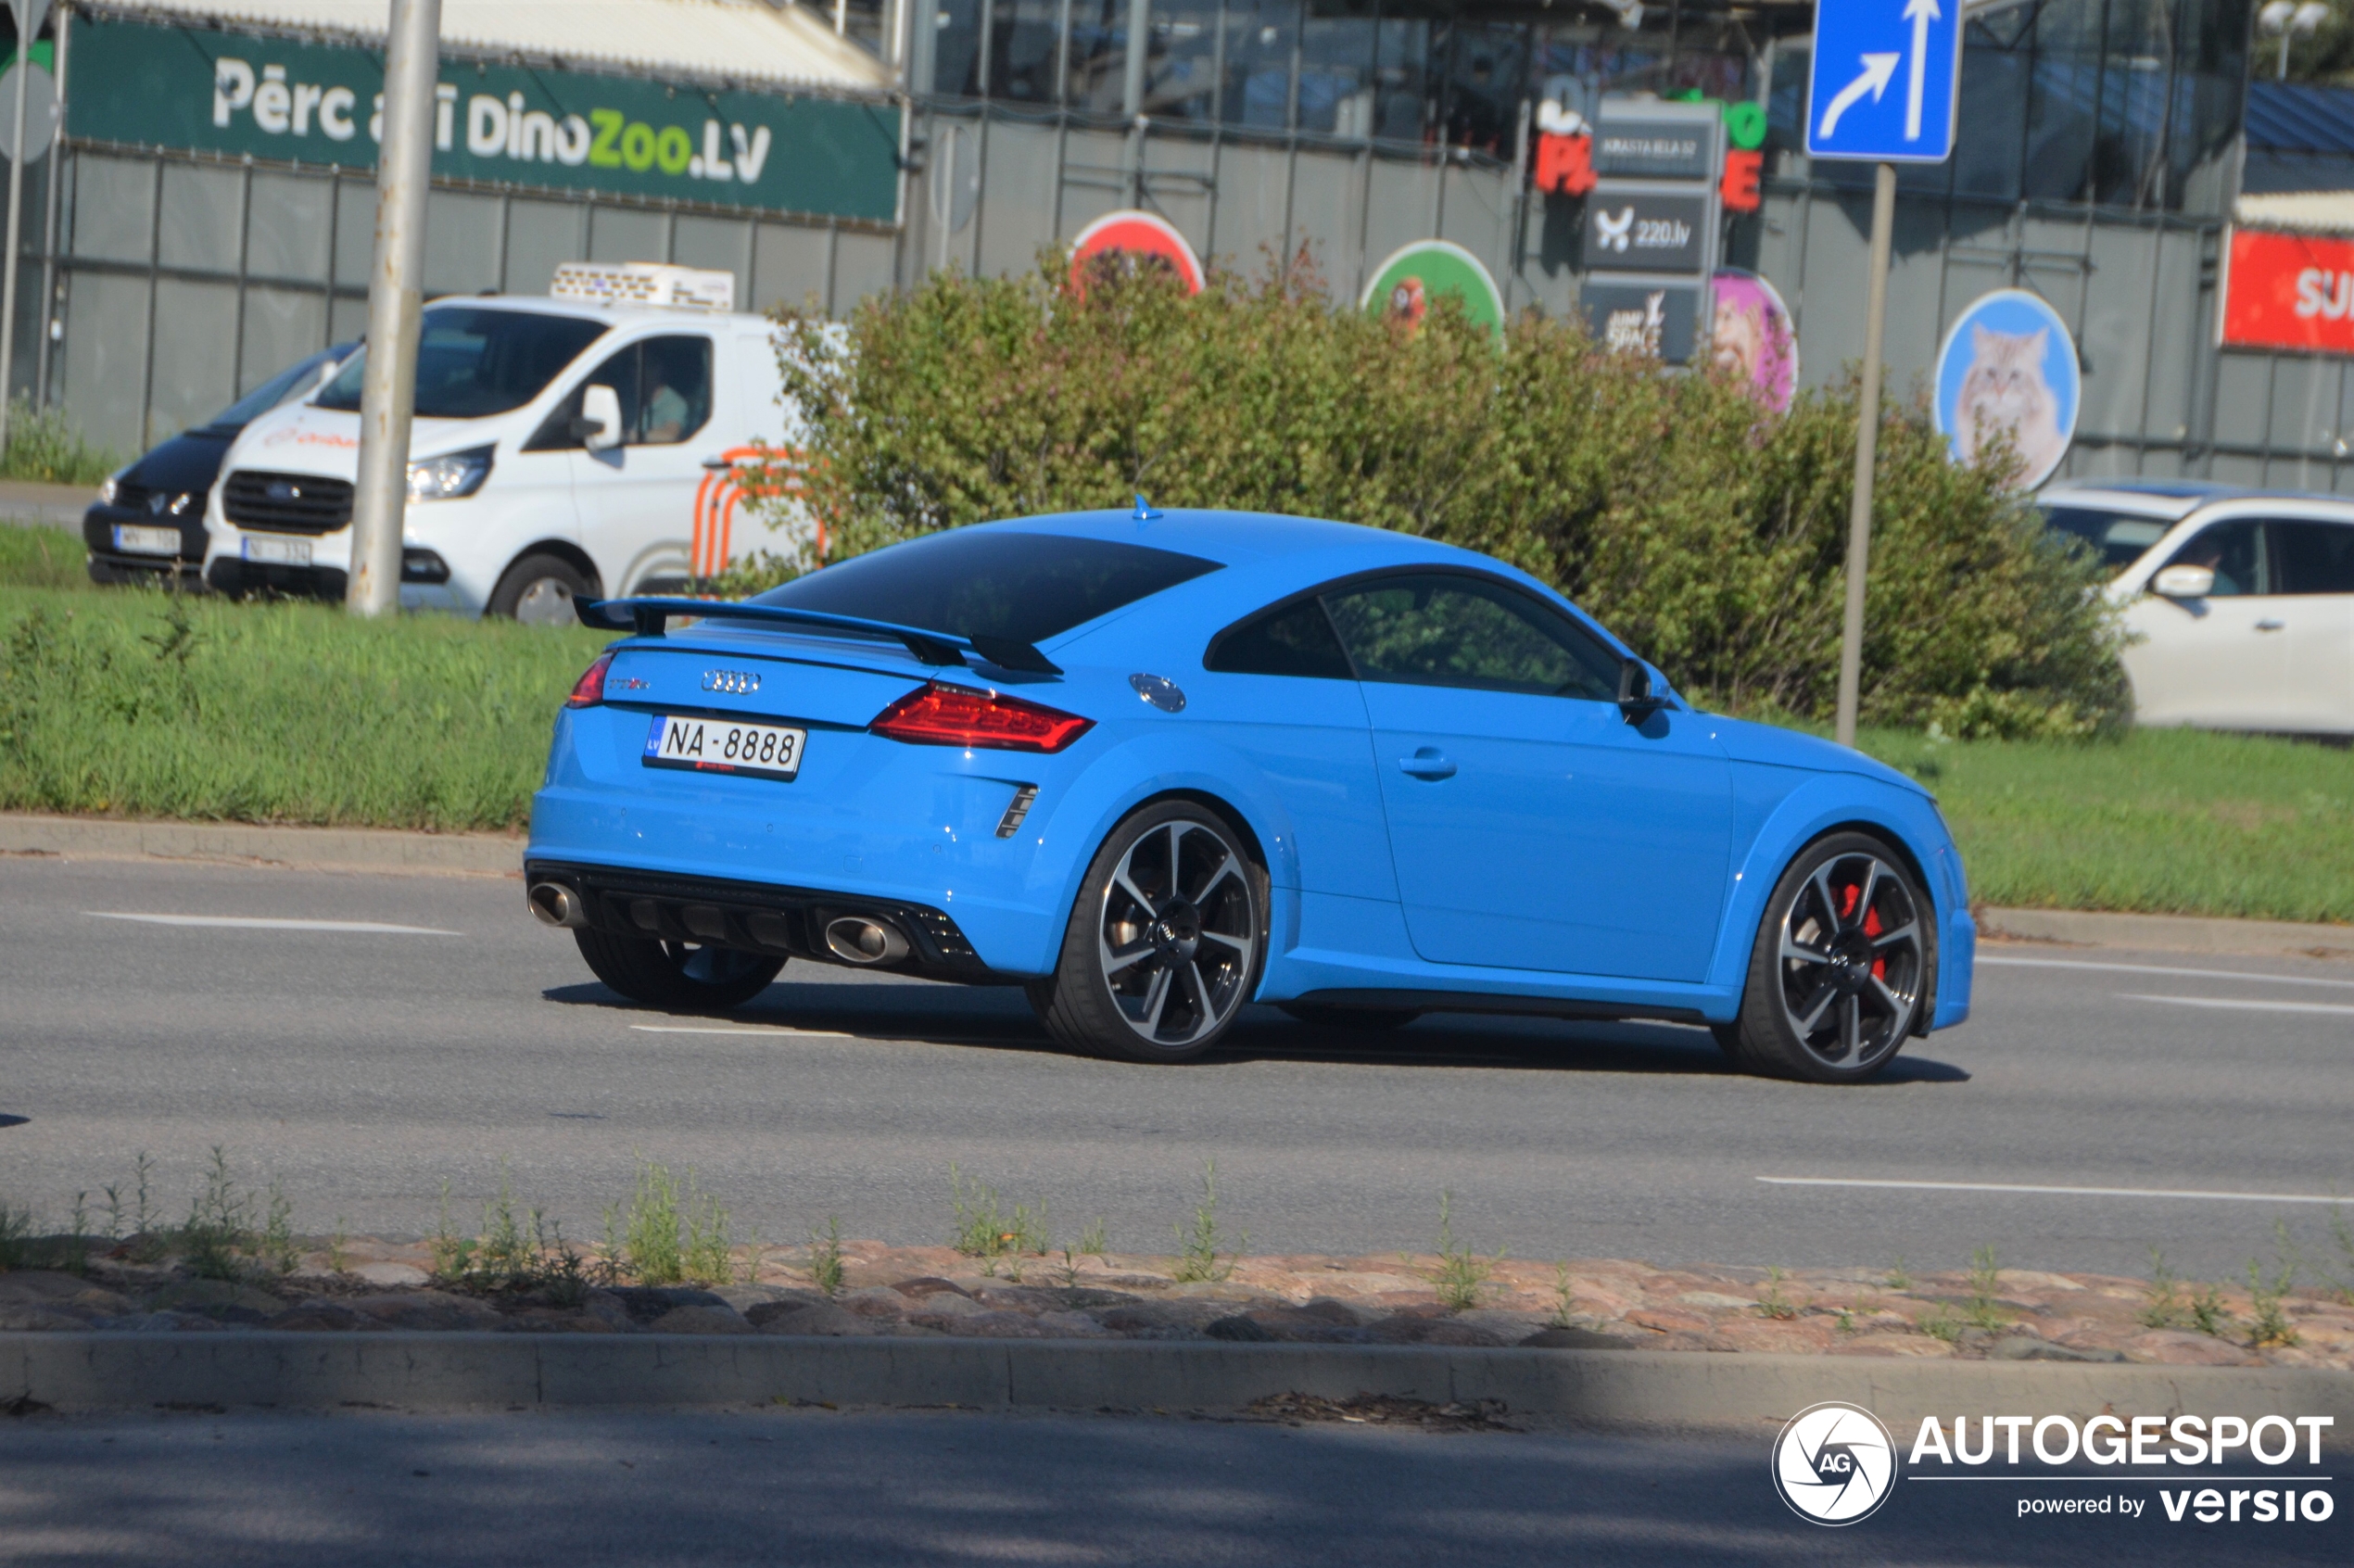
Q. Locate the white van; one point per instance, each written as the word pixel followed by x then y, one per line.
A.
pixel 572 445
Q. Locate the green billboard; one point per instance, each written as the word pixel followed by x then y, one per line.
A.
pixel 203 90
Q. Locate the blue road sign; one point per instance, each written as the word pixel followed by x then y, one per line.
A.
pixel 1887 78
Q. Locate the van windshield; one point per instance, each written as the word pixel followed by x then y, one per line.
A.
pixel 472 361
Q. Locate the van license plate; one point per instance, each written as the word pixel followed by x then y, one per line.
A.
pixel 771 750
pixel 273 551
pixel 134 541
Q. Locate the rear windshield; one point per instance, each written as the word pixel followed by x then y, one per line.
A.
pixel 472 361
pixel 2117 537
pixel 992 582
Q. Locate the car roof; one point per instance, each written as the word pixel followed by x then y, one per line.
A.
pixel 586 309
pixel 1235 538
pixel 2164 498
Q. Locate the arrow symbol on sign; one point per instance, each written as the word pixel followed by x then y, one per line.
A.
pixel 1878 71
pixel 1920 13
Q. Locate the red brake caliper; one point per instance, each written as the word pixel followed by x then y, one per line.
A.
pixel 1872 927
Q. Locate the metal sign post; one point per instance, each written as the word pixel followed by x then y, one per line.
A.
pixel 395 303
pixel 1861 47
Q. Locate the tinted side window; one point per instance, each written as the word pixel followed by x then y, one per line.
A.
pixel 1448 630
pixel 1296 641
pixel 2314 557
pixel 992 582
pixel 2234 552
pixel 664 386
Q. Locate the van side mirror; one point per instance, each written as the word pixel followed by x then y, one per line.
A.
pixel 1635 702
pixel 598 426
pixel 2184 582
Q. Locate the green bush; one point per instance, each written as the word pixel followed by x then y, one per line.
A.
pixel 44 446
pixel 1708 534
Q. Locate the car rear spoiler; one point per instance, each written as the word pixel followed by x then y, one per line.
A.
pixel 650 616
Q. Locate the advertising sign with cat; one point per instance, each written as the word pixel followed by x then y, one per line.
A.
pixel 2008 368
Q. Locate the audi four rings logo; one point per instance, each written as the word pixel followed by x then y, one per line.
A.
pixel 1834 1463
pixel 740 682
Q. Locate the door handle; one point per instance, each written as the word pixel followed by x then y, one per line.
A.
pixel 2271 625
pixel 1427 763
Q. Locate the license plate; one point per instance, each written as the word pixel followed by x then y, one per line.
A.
pixel 276 552
pixel 135 540
pixel 771 750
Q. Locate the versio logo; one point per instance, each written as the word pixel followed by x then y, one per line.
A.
pixel 1834 1463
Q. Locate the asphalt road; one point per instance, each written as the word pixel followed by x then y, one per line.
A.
pixel 359 1068
pixel 915 1487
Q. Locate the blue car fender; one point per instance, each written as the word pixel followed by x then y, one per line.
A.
pixel 1818 805
pixel 1127 775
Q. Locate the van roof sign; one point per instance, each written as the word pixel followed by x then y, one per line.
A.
pixel 644 283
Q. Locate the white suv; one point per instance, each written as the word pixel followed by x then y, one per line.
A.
pixel 561 448
pixel 2242 602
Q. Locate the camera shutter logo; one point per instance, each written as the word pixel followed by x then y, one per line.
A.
pixel 1834 1463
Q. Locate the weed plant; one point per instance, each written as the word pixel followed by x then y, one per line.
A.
pixel 1461 1274
pixel 2165 1308
pixel 1564 1300
pixel 1774 1302
pixel 48 448
pixel 2209 1314
pixel 1984 1285
pixel 1199 1260
pixel 825 1256
pixel 985 1231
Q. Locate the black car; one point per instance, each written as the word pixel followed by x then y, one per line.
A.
pixel 149 521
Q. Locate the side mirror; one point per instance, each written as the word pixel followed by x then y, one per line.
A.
pixel 1635 702
pixel 2184 582
pixel 598 426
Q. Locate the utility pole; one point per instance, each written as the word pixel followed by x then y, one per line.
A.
pixel 29 15
pixel 395 301
pixel 1859 517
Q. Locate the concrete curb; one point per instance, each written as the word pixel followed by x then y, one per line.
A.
pixel 2172 933
pixel 326 849
pixel 95 1371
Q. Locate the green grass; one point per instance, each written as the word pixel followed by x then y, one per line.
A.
pixel 134 702
pixel 2163 821
pixel 44 445
pixel 137 703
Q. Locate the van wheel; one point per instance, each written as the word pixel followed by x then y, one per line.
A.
pixel 539 591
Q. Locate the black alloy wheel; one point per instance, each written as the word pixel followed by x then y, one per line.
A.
pixel 1165 945
pixel 1841 966
pixel 676 974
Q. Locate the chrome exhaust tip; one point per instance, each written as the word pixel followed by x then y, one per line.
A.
pixel 557 904
pixel 854 939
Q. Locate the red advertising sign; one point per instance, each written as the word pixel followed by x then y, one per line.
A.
pixel 1137 239
pixel 2287 291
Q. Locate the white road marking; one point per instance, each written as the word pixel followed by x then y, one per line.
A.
pixel 2155 969
pixel 772 1033
pixel 260 923
pixel 2061 1192
pixel 2236 1005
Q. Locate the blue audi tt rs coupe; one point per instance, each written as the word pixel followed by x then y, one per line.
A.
pixel 1151 766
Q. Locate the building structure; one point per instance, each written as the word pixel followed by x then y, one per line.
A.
pixel 2105 146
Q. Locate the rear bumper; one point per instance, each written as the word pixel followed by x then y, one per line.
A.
pixel 757 917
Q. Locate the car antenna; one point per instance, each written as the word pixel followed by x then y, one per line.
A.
pixel 1144 512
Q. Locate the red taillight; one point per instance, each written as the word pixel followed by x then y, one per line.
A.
pixel 590 690
pixel 958 715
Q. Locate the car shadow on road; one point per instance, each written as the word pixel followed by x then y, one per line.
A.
pixel 998 1017
pixel 8 1121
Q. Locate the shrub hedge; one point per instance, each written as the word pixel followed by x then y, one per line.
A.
pixel 1707 531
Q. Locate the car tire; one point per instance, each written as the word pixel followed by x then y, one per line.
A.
pixel 675 974
pixel 1840 970
pixel 1166 940
pixel 539 590
pixel 1365 1019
